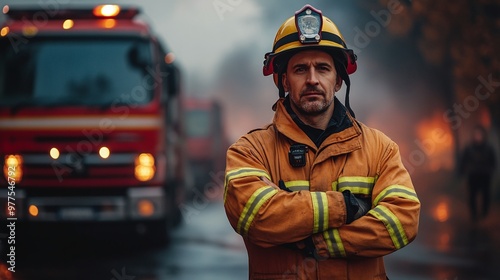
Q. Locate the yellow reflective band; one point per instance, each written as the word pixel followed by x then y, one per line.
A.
pixel 393 225
pixel 356 184
pixel 297 185
pixel 334 243
pixel 252 208
pixel 334 186
pixel 320 210
pixel 396 191
pixel 243 172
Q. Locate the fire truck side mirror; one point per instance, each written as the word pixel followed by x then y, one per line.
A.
pixel 173 80
pixel 138 58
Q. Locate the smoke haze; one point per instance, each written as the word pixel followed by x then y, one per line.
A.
pixel 220 46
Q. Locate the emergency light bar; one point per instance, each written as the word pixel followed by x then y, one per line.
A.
pixel 100 11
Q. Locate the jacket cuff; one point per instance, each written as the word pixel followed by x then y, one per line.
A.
pixel 337 209
pixel 321 247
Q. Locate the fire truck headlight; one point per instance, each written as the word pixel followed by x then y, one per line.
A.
pixel 145 207
pixel 68 24
pixel 33 210
pixel 13 168
pixel 54 153
pixel 144 167
pixel 104 152
pixel 4 31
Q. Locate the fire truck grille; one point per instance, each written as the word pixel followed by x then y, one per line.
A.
pixel 79 171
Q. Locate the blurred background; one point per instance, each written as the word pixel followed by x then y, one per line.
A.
pixel 428 73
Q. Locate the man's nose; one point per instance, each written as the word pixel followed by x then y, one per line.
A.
pixel 312 77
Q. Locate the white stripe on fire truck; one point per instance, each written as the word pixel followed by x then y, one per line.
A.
pixel 62 122
pixel 92 159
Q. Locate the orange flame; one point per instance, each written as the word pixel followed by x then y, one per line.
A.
pixel 435 140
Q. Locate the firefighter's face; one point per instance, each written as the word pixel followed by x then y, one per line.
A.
pixel 311 81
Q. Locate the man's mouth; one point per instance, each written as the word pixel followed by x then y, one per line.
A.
pixel 312 94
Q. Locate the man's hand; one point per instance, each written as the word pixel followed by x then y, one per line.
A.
pixel 267 181
pixel 356 207
pixel 281 185
pixel 305 247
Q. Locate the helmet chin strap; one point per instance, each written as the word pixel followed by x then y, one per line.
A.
pixel 347 103
pixel 281 67
pixel 342 72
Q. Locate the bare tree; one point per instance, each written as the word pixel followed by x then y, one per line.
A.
pixel 462 38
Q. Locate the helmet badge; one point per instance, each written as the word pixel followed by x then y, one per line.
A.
pixel 309 22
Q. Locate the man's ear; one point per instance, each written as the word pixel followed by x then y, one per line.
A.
pixel 284 81
pixel 338 84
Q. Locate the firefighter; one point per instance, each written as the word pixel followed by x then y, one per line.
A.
pixel 478 164
pixel 317 194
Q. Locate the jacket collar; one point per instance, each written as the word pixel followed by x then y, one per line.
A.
pixel 338 122
pixel 285 124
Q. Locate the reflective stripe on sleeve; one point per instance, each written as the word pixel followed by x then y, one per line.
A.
pixel 356 184
pixel 393 225
pixel 320 210
pixel 297 185
pixel 252 208
pixel 243 172
pixel 334 243
pixel 335 186
pixel 396 191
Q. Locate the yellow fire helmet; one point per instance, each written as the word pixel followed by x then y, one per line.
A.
pixel 309 29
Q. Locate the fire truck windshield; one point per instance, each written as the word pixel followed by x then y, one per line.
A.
pixel 198 123
pixel 93 71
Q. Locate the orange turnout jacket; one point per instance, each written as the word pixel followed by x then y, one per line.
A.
pixel 359 159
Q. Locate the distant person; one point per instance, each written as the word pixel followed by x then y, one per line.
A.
pixel 316 194
pixel 478 164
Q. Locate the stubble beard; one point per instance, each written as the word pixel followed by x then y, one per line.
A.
pixel 313 107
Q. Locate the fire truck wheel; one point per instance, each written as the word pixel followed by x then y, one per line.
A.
pixel 154 233
pixel 176 196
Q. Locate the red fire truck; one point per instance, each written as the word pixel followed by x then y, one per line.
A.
pixel 90 120
pixel 206 139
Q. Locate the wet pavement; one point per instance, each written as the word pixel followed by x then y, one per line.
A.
pixel 203 247
pixel 449 247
